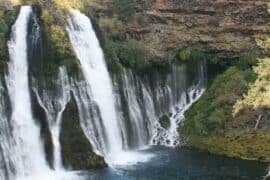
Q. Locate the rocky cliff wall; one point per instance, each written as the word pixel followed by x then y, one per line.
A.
pixel 226 27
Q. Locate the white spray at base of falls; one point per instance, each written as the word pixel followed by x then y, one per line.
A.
pixel 54 103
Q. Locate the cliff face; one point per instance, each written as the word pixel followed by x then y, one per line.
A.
pixel 226 27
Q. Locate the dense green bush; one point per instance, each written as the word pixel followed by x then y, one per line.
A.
pixel 125 9
pixel 186 55
pixel 141 19
pixel 247 61
pixel 133 54
pixel 215 108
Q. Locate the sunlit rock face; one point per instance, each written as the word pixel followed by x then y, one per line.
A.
pixel 228 28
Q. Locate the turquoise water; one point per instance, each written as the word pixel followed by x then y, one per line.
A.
pixel 183 164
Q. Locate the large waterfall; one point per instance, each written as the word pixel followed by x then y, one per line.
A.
pixel 90 54
pixel 119 116
pixel 125 117
pixel 21 150
pixel 26 131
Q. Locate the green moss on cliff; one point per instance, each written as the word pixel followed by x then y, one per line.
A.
pixel 250 146
pixel 56 46
pixel 7 18
pixel 76 150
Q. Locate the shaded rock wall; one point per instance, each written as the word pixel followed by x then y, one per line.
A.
pixel 76 149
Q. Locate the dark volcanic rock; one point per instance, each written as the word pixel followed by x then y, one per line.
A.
pixel 76 150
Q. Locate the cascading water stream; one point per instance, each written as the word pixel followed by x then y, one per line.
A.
pixel 146 100
pixel 109 137
pixel 54 103
pixel 7 145
pixel 21 145
pixel 26 131
pixel 93 66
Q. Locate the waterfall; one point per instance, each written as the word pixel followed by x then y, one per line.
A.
pixel 54 102
pixel 145 99
pixel 26 131
pixel 121 117
pixel 8 154
pixel 96 99
pixel 94 69
pixel 118 116
pixel 21 148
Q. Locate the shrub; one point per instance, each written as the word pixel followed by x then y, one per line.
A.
pixel 133 55
pixel 112 28
pixel 184 55
pixel 125 9
pixel 141 20
pixel 247 61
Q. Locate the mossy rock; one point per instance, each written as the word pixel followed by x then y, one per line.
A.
pixel 76 150
pixel 251 146
pixel 164 121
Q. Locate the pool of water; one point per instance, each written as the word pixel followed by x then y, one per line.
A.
pixel 183 164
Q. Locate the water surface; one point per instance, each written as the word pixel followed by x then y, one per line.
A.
pixel 183 164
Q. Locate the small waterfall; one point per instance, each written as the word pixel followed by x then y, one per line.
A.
pixel 90 117
pixel 138 127
pixel 25 130
pixel 100 89
pixel 145 99
pixel 53 102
